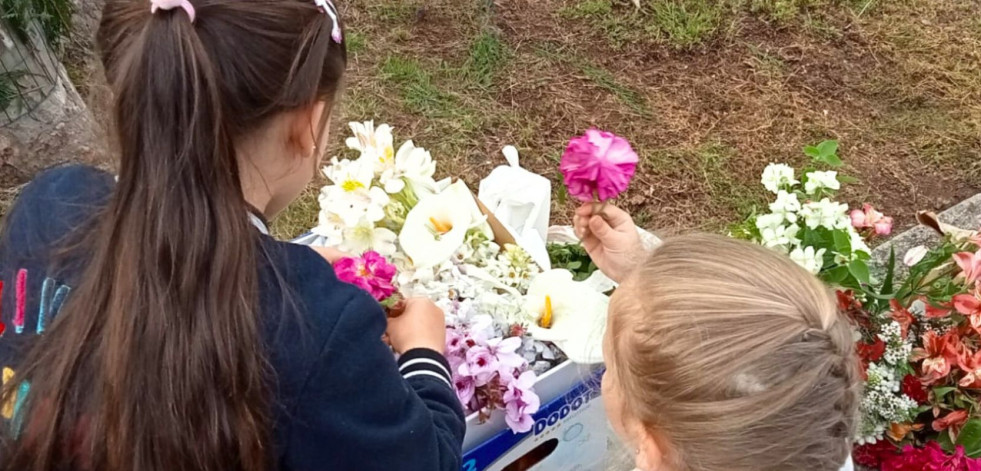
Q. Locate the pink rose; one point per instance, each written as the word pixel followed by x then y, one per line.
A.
pixel 598 164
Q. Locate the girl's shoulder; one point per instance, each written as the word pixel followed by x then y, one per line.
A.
pixel 54 204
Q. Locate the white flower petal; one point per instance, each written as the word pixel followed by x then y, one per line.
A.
pixel 578 315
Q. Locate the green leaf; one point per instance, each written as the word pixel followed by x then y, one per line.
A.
pixel 848 179
pixel 812 152
pixel 860 270
pixel 843 243
pixel 574 265
pixel 828 147
pixel 944 440
pixel 970 438
pixel 887 287
pixel 939 393
pixel 836 275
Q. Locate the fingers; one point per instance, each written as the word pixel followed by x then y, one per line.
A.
pixel 615 216
pixel 330 254
pixel 600 227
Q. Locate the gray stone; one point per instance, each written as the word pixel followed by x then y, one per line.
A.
pixel 965 215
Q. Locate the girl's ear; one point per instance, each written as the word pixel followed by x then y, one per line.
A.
pixel 305 128
pixel 650 455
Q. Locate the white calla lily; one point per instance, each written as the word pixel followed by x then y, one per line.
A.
pixel 569 313
pixel 437 226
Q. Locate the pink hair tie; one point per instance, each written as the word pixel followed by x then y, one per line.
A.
pixel 171 4
pixel 327 6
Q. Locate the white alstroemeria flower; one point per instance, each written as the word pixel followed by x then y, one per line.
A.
pixel 569 314
pixel 915 255
pixel 820 180
pixel 329 226
pixel 364 236
pixel 352 206
pixel 436 227
pixel 777 176
pixel 809 259
pixel 376 145
pixel 413 165
pixel 786 205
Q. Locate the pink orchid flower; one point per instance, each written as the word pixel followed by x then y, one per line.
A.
pixel 869 218
pixel 598 164
pixel 521 403
pixel 370 272
pixel 970 264
pixel 465 388
pixel 504 350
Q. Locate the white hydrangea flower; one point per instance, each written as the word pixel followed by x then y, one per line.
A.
pixel 825 213
pixel 808 258
pixel 820 180
pixel 786 205
pixel 777 176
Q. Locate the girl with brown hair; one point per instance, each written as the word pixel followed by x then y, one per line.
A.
pixel 721 355
pixel 151 324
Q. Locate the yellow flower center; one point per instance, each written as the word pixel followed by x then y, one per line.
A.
pixel 545 321
pixel 351 185
pixel 387 155
pixel 441 227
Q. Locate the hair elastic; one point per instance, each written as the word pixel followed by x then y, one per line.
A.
pixel 328 7
pixel 171 4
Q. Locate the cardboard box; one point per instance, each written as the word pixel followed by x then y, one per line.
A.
pixel 570 431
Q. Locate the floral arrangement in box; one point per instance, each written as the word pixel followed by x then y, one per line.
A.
pixel 918 338
pixel 508 321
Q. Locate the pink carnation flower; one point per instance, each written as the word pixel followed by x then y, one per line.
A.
pixel 521 402
pixel 869 218
pixel 930 458
pixel 598 164
pixel 370 272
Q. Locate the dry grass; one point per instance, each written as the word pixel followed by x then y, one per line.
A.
pixel 709 92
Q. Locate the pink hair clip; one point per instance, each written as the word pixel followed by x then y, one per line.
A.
pixel 328 7
pixel 171 4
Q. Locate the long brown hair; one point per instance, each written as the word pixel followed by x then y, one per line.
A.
pixel 156 361
pixel 736 358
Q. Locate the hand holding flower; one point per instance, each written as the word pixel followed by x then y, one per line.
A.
pixel 610 237
pixel 421 325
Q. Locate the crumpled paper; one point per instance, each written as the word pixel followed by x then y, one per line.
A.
pixel 522 201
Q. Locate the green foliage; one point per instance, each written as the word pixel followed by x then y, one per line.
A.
pixel 824 153
pixel 970 438
pixel 54 17
pixel 486 56
pixel 572 257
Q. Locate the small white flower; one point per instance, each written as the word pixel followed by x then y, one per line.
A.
pixel 858 243
pixel 809 259
pixel 821 180
pixel 774 233
pixel 330 226
pixel 777 176
pixel 352 206
pixel 376 145
pixel 364 236
pixel 825 213
pixel 786 205
pixel 413 165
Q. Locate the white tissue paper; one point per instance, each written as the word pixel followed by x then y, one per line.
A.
pixel 521 200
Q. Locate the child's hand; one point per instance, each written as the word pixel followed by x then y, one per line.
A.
pixel 421 325
pixel 610 237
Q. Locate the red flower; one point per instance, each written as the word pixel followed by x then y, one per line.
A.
pixel 901 315
pixel 873 454
pixel 936 312
pixel 913 388
pixel 971 364
pixel 852 308
pixel 970 306
pixel 938 354
pixel 930 458
pixel 868 353
pixel 954 421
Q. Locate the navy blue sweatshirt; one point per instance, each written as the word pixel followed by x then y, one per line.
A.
pixel 342 402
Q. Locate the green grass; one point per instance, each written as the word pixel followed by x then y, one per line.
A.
pixel 299 217
pixel 419 94
pixel 683 23
pixel 355 42
pixel 486 56
pixel 395 10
